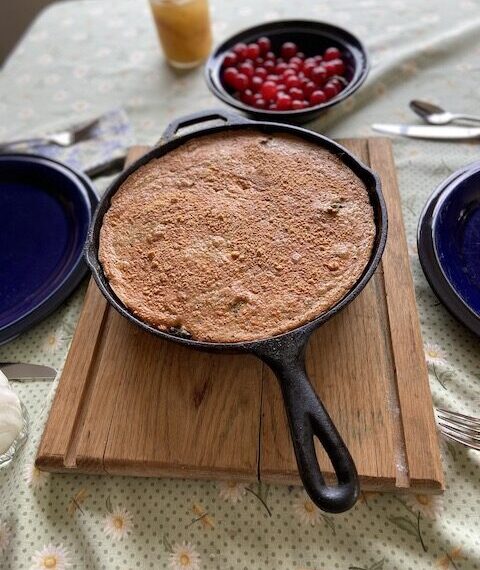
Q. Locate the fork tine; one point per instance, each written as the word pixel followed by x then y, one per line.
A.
pixel 461 429
pixel 459 425
pixel 463 441
pixel 460 417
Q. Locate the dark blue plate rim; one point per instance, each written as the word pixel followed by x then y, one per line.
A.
pixel 78 268
pixel 428 256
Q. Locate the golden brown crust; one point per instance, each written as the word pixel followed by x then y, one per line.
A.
pixel 237 236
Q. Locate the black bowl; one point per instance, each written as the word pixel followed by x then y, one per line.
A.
pixel 312 38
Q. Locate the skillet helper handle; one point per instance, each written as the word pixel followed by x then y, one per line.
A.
pixel 202 117
pixel 308 418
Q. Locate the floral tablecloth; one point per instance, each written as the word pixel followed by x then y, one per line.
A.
pixel 83 58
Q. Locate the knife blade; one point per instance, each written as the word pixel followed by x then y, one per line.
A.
pixel 25 371
pixel 111 166
pixel 429 131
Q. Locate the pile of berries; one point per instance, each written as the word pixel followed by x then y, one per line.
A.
pixel 260 78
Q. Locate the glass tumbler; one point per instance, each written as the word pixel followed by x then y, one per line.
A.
pixel 184 30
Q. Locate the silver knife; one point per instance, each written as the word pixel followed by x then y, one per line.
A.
pixel 25 371
pixel 110 166
pixel 429 131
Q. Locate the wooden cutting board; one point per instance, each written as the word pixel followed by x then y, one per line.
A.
pixel 131 404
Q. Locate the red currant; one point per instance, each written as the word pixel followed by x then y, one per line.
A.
pixel 319 74
pixel 339 66
pixel 289 81
pixel 297 60
pixel 247 97
pixel 268 90
pixel 304 81
pixel 298 104
pixel 330 67
pixel 309 88
pixel 318 97
pixel 308 68
pixel 241 50
pixel 241 82
pixel 281 67
pixel 284 103
pixel 331 53
pixel 288 50
pixel 229 76
pixel 253 50
pixel 260 103
pixel 246 68
pixel 230 59
pixel 264 44
pixel 256 82
pixel 292 81
pixel 295 93
pixel 330 90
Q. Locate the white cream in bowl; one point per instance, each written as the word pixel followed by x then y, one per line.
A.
pixel 11 417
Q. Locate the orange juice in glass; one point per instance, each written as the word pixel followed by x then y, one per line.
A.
pixel 184 30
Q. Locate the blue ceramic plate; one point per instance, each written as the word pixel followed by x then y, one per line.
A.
pixel 45 211
pixel 449 244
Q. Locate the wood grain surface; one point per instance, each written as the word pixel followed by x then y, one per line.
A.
pixel 128 403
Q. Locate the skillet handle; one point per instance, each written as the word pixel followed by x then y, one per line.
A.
pixel 308 418
pixel 197 118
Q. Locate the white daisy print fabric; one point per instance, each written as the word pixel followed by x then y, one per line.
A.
pixel 82 59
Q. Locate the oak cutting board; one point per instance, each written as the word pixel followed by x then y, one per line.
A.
pixel 131 404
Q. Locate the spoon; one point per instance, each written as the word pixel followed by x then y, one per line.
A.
pixel 435 115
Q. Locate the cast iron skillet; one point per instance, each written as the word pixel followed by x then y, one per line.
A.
pixel 284 353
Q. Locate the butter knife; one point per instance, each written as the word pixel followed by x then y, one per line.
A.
pixel 110 166
pixel 429 132
pixel 25 371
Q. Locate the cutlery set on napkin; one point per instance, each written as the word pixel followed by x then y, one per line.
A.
pixel 96 147
pixel 110 135
pixel 439 125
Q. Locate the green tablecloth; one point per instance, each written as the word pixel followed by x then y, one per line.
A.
pixel 83 58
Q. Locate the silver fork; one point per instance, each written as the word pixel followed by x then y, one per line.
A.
pixel 64 138
pixel 459 428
